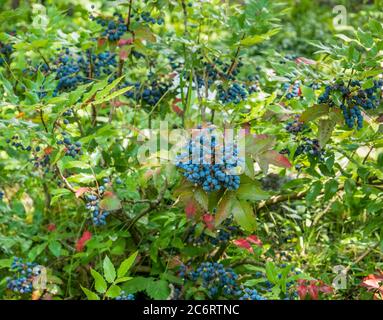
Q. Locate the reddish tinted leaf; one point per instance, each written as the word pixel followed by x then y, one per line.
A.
pixel 124 54
pixel 51 227
pixel 242 243
pixel 177 109
pixel 208 219
pixel 313 290
pixel 101 42
pixel 304 60
pixel 373 282
pixel 48 150
pixel 275 158
pixel 81 191
pixel 80 244
pixel 255 240
pixel 123 42
pixel 110 202
pixel 190 209
pixel 302 291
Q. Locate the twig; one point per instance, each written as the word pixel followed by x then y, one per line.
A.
pixel 361 257
pixel 152 205
pixel 67 184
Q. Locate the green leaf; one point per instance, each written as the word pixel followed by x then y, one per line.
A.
pixel 158 290
pixel 224 207
pixel 55 248
pixel 113 292
pixel 314 112
pixel 123 279
pixel 110 202
pixel 330 189
pixel 109 271
pixel 100 283
pixel 326 127
pixel 313 192
pixel 252 191
pixel 244 215
pixel 89 294
pixel 126 265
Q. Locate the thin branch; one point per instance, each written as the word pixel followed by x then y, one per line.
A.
pixel 152 205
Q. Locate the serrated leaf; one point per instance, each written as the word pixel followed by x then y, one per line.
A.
pixel 330 189
pixel 224 208
pixel 313 192
pixel 244 215
pixel 100 284
pixel 202 199
pixel 110 202
pixel 55 248
pixel 109 271
pixel 126 265
pixel 314 112
pixel 158 290
pixel 325 129
pixel 89 294
pixel 256 144
pixel 252 191
pixel 113 292
pixel 123 279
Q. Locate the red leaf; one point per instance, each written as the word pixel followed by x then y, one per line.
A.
pixel 101 41
pixel 80 191
pixel 304 60
pixel 313 290
pixel 208 219
pixel 48 150
pixel 277 159
pixel 177 109
pixel 124 54
pixel 190 209
pixel 326 288
pixel 80 244
pixel 302 291
pixel 242 243
pixel 255 240
pixel 51 227
pixel 373 282
pixel 123 42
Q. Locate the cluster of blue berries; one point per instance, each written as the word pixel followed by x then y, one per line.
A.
pixel 115 28
pixel 72 71
pixel 25 272
pixel 293 90
pixel 224 234
pixel 214 277
pixel 149 94
pixel 5 52
pixel 251 294
pixel 218 281
pixel 15 143
pixel 354 99
pixel 98 214
pixel 296 126
pixel 71 149
pixel 68 113
pixel 352 116
pixel 1 195
pixel 235 93
pixel 124 296
pixel 42 161
pixel 146 17
pixel 309 147
pixel 207 164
